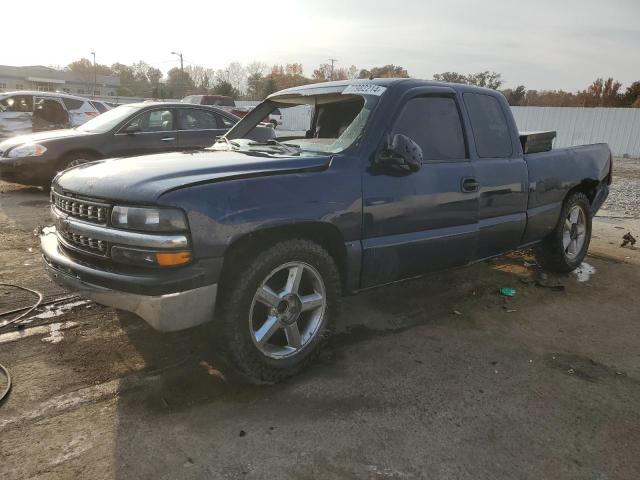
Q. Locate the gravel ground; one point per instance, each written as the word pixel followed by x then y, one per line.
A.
pixel 624 198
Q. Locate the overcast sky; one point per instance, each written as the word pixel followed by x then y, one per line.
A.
pixel 543 44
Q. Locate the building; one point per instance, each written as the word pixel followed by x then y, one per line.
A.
pixel 47 79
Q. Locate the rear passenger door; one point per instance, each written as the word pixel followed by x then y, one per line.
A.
pixel 151 131
pixel 424 220
pixel 500 172
pixel 198 127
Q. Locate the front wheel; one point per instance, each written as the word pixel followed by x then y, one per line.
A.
pixel 565 248
pixel 278 309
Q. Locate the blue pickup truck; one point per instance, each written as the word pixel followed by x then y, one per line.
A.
pixel 392 179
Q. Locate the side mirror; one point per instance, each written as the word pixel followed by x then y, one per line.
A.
pixel 131 129
pixel 401 155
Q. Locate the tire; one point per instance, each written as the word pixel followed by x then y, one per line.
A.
pixel 564 249
pixel 258 329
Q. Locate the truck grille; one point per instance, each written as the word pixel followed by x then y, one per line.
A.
pixel 85 244
pixel 87 210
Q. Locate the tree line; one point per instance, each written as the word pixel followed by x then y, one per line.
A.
pixel 601 93
pixel 257 80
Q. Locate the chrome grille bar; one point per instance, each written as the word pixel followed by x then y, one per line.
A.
pixel 88 210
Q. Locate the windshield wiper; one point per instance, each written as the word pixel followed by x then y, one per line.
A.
pixel 272 142
pixel 227 141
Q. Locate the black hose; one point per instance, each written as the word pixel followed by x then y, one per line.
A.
pixel 24 314
pixel 43 304
pixel 8 387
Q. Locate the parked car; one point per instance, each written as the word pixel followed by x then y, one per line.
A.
pixel 394 178
pixel 133 129
pixel 275 118
pixel 215 100
pixel 101 106
pixel 29 111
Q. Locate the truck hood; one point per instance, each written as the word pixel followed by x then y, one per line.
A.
pixel 40 137
pixel 144 179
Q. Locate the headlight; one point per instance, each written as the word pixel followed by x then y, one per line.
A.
pixel 149 219
pixel 27 150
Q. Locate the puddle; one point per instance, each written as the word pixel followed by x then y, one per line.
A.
pixel 584 272
pixel 55 334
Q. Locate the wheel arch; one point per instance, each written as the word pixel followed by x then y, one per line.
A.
pixel 588 186
pixel 66 156
pixel 327 235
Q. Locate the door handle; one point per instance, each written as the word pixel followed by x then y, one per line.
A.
pixel 167 139
pixel 469 185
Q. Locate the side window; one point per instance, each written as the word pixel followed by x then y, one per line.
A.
pixel 154 121
pixel 490 128
pixel 434 124
pixel 99 106
pixel 225 122
pixel 72 103
pixel 196 119
pixel 18 103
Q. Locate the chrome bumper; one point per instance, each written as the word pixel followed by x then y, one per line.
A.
pixel 169 312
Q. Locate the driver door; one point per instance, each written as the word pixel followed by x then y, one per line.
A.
pixel 425 220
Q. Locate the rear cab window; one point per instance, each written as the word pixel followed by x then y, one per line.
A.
pixel 489 125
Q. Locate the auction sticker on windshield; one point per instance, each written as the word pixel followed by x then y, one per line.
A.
pixel 364 89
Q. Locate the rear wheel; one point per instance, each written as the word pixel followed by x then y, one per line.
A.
pixel 278 309
pixel 565 248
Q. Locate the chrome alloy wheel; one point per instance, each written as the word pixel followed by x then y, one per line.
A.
pixel 574 232
pixel 287 310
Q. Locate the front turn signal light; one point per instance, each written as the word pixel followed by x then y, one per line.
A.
pixel 169 259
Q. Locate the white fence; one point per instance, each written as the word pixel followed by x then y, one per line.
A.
pixel 619 127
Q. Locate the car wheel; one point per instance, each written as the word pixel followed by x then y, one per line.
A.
pixel 278 309
pixel 564 249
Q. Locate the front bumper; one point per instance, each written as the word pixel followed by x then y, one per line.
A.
pixel 165 312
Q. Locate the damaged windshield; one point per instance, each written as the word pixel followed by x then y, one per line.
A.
pixel 323 123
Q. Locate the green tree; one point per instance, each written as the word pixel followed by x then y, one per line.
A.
pixel 632 95
pixel 515 96
pixel 223 87
pixel 386 71
pixel 178 83
pixel 481 79
pixel 450 77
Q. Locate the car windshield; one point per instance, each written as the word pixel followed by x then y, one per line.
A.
pixel 329 122
pixel 106 121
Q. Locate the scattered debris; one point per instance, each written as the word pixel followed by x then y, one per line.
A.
pixel 457 312
pixel 584 271
pixel 553 288
pixel 530 264
pixel 242 433
pixel 628 239
pixel 507 292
